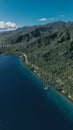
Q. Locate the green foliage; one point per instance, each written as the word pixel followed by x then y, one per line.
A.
pixel 49 48
pixel 58 88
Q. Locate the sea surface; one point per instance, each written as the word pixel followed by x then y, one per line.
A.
pixel 25 105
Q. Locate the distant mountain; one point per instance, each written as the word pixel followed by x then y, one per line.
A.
pixel 49 49
pixel 28 33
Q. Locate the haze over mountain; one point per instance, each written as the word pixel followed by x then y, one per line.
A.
pixel 49 50
pixel 36 64
pixel 29 34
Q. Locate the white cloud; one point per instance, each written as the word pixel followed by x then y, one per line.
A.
pixel 46 19
pixel 6 26
pixel 42 19
pixel 52 19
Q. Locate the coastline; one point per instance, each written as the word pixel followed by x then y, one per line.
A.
pixel 38 75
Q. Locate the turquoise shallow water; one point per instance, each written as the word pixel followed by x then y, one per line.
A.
pixel 25 105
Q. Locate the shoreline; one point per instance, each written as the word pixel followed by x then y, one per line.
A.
pixel 38 75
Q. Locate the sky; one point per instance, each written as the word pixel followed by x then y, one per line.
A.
pixel 15 13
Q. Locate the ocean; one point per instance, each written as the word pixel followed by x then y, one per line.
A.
pixel 25 105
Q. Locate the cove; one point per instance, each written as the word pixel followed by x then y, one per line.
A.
pixel 25 105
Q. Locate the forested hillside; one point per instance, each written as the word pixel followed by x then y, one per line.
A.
pixel 49 50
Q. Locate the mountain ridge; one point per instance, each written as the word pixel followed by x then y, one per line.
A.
pixel 49 49
pixel 26 33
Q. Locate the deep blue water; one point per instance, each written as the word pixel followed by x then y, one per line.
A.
pixel 25 105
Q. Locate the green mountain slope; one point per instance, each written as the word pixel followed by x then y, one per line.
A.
pixel 49 50
pixel 26 34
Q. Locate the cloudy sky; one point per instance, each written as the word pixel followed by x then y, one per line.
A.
pixel 15 13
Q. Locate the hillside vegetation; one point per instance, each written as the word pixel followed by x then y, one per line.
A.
pixel 49 49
